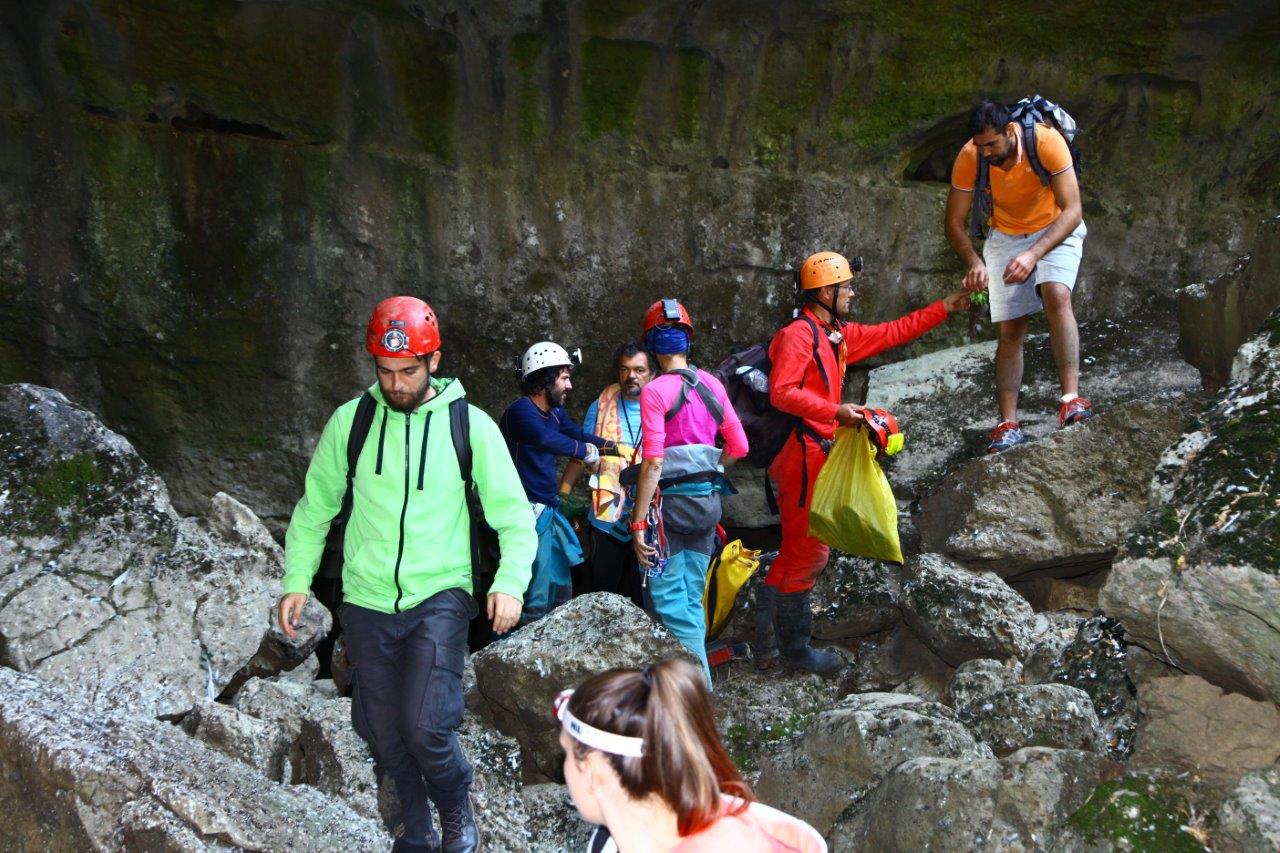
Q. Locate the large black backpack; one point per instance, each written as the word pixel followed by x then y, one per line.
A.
pixel 1027 113
pixel 745 376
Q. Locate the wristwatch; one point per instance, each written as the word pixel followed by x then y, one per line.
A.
pixel 637 526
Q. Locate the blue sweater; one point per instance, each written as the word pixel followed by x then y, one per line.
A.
pixel 535 438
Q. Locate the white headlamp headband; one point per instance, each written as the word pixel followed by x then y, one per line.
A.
pixel 631 747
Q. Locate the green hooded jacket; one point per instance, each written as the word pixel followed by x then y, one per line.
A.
pixel 409 533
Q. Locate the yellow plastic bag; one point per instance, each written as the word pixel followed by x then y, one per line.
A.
pixel 853 508
pixel 726 575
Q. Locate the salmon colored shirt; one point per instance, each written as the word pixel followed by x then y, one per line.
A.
pixel 1021 203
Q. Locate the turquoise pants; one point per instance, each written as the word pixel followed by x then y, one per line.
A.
pixel 558 551
pixel 677 600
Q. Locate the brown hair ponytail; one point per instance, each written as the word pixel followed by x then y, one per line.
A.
pixel 684 762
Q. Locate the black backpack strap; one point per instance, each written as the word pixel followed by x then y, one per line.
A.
pixel 1028 123
pixel 360 425
pixel 817 337
pixel 690 380
pixel 460 430
pixel 980 209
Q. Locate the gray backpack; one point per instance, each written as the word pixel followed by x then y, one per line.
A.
pixel 1027 113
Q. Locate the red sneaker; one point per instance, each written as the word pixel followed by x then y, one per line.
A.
pixel 1005 435
pixel 1077 410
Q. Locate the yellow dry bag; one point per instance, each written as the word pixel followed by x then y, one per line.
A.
pixel 729 570
pixel 853 508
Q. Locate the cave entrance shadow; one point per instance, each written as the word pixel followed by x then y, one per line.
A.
pixel 933 151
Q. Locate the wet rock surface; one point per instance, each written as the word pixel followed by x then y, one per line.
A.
pixel 1191 724
pixel 1014 803
pixel 1096 661
pixel 1218 315
pixel 1197 581
pixel 518 678
pixel 74 778
pixel 104 589
pixel 1249 817
pixel 945 401
pixel 962 615
pixel 974 680
pixel 1057 506
pixel 854 597
pixel 845 751
pixel 1022 715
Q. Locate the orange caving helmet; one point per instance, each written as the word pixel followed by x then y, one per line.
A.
pixel 666 311
pixel 883 429
pixel 402 327
pixel 823 269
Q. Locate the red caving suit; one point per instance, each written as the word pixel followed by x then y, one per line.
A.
pixel 796 387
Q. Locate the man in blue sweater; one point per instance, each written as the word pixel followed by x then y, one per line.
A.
pixel 538 430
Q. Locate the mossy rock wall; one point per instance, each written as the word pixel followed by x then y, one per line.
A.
pixel 200 202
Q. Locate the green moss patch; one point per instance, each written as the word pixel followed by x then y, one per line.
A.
pixel 1139 814
pixel 613 75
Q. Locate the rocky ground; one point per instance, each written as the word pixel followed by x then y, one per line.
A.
pixel 1081 652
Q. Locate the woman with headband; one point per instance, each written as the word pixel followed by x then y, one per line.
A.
pixel 643 761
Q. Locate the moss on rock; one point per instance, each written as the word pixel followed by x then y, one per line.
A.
pixel 1138 814
pixel 613 75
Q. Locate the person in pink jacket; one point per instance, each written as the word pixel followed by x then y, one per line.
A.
pixel 643 761
pixel 685 416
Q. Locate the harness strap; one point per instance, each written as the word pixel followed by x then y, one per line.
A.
pixel 691 380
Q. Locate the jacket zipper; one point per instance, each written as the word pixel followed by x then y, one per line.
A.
pixel 403 509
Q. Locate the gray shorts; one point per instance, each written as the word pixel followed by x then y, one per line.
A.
pixel 1061 264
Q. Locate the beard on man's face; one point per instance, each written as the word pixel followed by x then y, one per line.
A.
pixel 406 401
pixel 557 398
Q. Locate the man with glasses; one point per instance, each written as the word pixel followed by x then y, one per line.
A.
pixel 809 356
pixel 614 416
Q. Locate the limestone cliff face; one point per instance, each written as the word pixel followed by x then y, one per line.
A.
pixel 199 202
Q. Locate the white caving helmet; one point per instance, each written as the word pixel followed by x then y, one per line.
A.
pixel 547 354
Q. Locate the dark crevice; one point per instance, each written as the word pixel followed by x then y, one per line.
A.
pixel 934 151
pixel 198 120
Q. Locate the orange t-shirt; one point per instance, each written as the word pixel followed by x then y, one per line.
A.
pixel 1021 203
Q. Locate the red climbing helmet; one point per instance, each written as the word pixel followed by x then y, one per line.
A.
pixel 402 327
pixel 666 311
pixel 882 427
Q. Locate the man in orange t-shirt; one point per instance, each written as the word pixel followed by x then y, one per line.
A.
pixel 1034 247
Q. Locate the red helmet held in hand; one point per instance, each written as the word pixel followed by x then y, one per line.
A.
pixel 402 327
pixel 666 311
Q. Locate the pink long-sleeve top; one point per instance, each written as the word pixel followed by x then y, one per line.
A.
pixel 693 424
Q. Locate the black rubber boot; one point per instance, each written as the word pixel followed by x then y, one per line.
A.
pixel 460 832
pixel 765 649
pixel 795 628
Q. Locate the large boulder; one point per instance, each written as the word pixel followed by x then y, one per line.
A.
pixel 845 751
pixel 518 678
pixel 104 589
pixel 261 744
pixel 963 615
pixel 1058 506
pixel 755 710
pixel 1014 803
pixel 854 597
pixel 1197 581
pixel 72 778
pixel 1189 723
pixel 1249 817
pixel 1218 315
pixel 945 401
pixel 1021 715
pixel 977 679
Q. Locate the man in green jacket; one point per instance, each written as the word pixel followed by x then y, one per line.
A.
pixel 406 575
